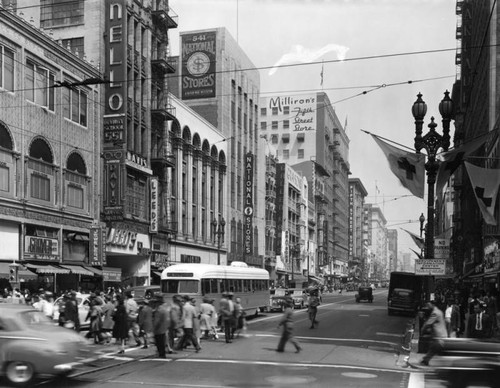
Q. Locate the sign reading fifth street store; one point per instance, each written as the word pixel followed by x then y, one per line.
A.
pixel 248 208
pixel 198 65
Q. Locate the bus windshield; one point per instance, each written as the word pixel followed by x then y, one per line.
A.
pixel 171 286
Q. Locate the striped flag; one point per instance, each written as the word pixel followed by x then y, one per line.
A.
pixel 485 184
pixel 409 167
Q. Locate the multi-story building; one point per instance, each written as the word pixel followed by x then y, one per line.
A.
pixel 215 81
pixel 392 251
pixel 292 225
pixel 308 136
pixel 377 241
pixel 49 158
pixel 356 236
pixel 128 41
pixel 475 96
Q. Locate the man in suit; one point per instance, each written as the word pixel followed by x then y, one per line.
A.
pixel 435 328
pixel 479 324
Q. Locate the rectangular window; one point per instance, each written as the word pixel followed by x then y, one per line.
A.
pixel 75 197
pixel 300 153
pixel 4 178
pixel 75 105
pixel 286 124
pixel 39 84
pixel 6 69
pixel 274 139
pixel 274 125
pixel 263 111
pixel 136 192
pixel 75 45
pixel 263 125
pixel 274 111
pixel 286 154
pixel 40 187
pixel 61 13
pixel 286 110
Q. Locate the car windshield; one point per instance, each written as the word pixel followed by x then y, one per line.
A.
pixel 35 318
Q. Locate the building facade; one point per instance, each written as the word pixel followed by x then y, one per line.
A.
pixel 475 244
pixel 308 136
pixel 377 241
pixel 49 157
pixel 356 236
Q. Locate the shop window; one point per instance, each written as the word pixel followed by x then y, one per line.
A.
pixel 6 68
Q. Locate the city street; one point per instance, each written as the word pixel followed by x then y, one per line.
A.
pixel 354 345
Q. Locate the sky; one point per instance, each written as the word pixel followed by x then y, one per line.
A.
pixel 376 56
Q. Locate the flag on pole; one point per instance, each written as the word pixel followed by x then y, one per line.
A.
pixel 485 184
pixel 450 160
pixel 418 254
pixel 409 167
pixel 419 241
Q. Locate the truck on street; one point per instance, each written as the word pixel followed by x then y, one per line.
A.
pixel 405 293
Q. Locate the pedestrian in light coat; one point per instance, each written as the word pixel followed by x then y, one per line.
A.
pixel 188 316
pixel 434 329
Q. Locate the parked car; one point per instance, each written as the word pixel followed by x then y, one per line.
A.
pixel 364 293
pixel 277 302
pixel 31 345
pixel 83 309
pixel 299 297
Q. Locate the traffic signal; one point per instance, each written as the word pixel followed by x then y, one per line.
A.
pixel 13 273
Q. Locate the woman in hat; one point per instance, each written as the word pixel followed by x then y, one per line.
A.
pixel 120 317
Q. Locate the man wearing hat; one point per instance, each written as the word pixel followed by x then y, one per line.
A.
pixel 287 323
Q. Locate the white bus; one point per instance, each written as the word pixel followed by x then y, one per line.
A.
pixel 209 280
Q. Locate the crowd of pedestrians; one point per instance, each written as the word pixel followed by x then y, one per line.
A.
pixel 116 317
pixel 459 313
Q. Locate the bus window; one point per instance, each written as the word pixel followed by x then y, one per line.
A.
pixel 237 285
pixel 222 285
pixel 230 285
pixel 214 286
pixel 188 286
pixel 170 286
pixel 205 286
pixel 246 285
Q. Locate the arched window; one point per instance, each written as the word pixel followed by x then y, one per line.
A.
pixel 41 170
pixel 7 165
pixel 76 182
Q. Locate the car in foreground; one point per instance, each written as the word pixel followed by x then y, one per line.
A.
pixel 32 346
pixel 83 301
pixel 402 300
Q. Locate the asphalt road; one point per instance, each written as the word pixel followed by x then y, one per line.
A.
pixel 354 345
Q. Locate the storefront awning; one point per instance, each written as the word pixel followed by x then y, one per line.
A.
pixel 48 269
pixel 24 274
pixel 95 271
pixel 315 279
pixel 77 270
pixel 157 273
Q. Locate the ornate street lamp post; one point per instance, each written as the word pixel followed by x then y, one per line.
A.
pixel 218 233
pixel 431 142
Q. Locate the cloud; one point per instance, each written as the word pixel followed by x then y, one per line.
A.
pixel 299 54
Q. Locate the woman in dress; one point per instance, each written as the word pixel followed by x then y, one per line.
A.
pixel 120 329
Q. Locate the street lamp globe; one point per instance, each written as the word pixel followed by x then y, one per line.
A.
pixel 446 106
pixel 419 108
